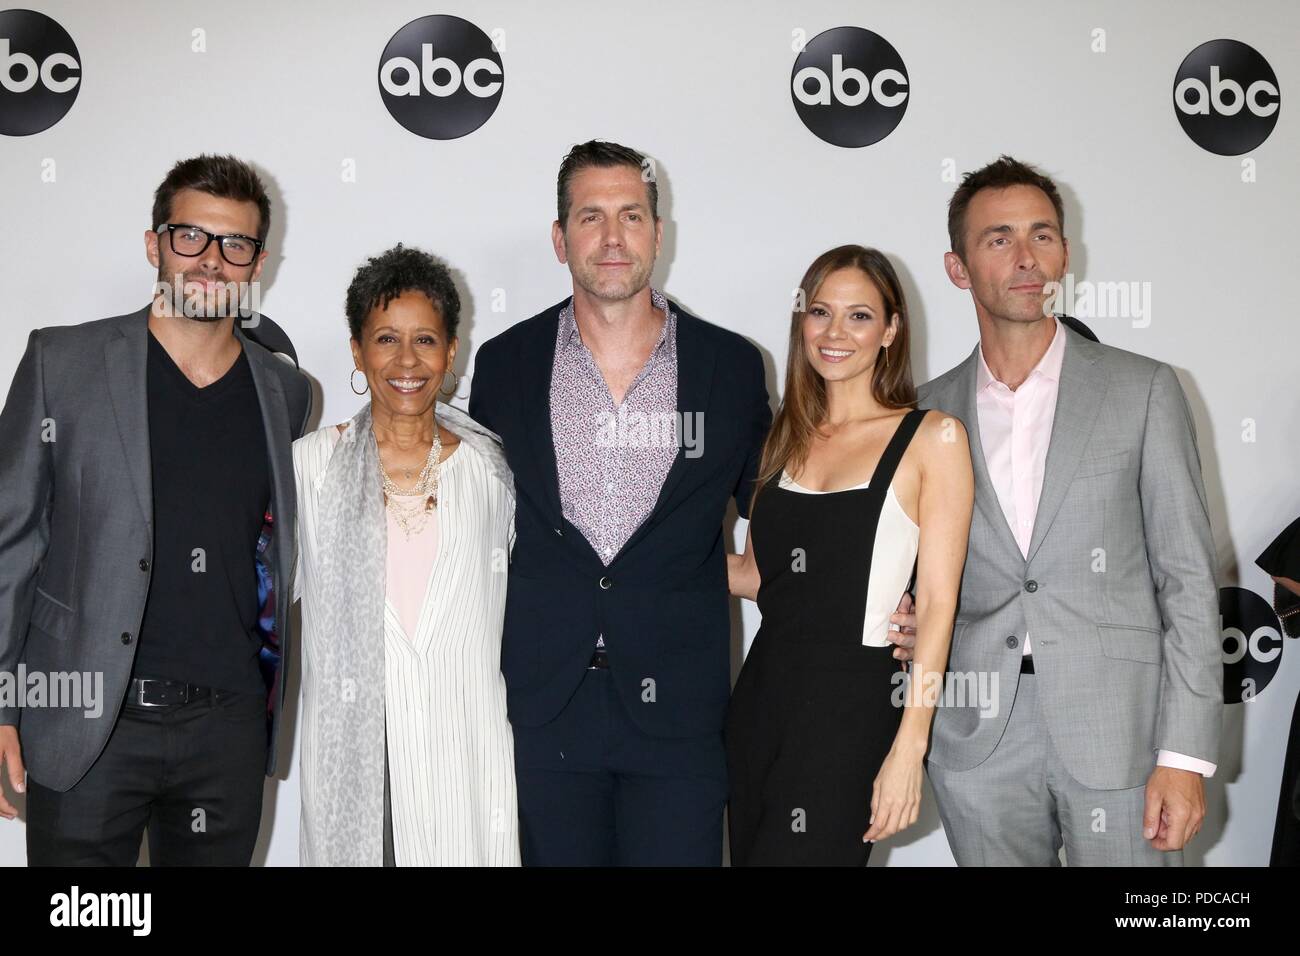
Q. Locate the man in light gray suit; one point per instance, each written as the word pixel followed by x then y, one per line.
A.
pixel 146 516
pixel 1087 630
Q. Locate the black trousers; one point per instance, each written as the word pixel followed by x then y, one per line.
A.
pixel 596 791
pixel 191 774
pixel 1286 831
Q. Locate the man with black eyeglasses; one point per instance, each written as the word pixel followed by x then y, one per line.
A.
pixel 146 546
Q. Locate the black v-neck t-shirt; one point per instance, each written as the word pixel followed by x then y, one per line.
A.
pixel 211 489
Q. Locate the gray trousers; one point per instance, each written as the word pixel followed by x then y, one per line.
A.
pixel 1020 806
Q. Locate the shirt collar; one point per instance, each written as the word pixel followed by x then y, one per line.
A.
pixel 1049 366
pixel 569 325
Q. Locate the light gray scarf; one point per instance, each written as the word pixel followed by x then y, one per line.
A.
pixel 348 642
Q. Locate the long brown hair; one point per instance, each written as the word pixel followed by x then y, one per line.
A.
pixel 803 402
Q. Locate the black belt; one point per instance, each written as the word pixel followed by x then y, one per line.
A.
pixel 151 692
pixel 1026 663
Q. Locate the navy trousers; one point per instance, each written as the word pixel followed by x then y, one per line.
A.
pixel 594 790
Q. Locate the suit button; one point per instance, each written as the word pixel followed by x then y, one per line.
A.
pixel 1031 586
pixel 1013 641
pixel 126 637
pixel 144 564
pixel 606 584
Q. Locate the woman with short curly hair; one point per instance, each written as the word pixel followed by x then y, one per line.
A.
pixel 405 528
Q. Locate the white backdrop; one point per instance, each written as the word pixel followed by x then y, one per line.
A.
pixel 749 197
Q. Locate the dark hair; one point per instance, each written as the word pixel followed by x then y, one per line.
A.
pixel 1002 172
pixel 401 269
pixel 803 404
pixel 598 153
pixel 223 176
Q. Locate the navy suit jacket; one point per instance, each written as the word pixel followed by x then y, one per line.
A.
pixel 664 608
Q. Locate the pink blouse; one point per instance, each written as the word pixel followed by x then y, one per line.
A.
pixel 410 563
pixel 410 568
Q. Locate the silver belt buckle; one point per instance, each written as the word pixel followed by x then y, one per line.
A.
pixel 140 688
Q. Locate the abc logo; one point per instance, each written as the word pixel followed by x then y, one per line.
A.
pixel 849 86
pixel 1226 97
pixel 1252 643
pixel 40 72
pixel 440 77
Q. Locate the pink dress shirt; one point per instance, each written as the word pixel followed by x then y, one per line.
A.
pixel 1015 430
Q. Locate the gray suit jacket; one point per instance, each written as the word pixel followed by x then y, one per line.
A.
pixel 1118 595
pixel 76 519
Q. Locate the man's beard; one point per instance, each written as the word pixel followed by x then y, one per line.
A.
pixel 190 302
pixel 589 279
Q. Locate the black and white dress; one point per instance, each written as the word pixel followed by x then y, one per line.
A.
pixel 813 713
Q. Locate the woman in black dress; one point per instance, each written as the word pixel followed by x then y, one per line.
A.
pixel 1281 560
pixel 857 492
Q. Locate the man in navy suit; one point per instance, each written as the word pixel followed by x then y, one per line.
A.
pixel 628 423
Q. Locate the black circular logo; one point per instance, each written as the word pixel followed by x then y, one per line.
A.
pixel 440 77
pixel 1226 97
pixel 849 86
pixel 1252 643
pixel 40 72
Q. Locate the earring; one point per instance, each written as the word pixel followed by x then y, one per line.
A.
pixel 352 380
pixel 886 356
pixel 455 381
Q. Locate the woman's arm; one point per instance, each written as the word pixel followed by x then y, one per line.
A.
pixel 945 501
pixel 742 572
pixel 947 497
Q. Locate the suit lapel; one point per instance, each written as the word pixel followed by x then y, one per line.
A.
pixel 966 408
pixel 126 356
pixel 1078 400
pixel 279 440
pixel 695 360
pixel 536 375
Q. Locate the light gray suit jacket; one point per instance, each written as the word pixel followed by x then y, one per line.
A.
pixel 1118 595
pixel 76 522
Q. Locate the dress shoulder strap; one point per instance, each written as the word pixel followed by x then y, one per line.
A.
pixel 888 463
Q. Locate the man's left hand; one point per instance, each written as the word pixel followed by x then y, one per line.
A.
pixel 1175 807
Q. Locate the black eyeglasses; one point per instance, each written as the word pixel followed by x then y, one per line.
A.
pixel 187 240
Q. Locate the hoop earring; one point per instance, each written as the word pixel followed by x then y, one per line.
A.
pixel 455 381
pixel 352 381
